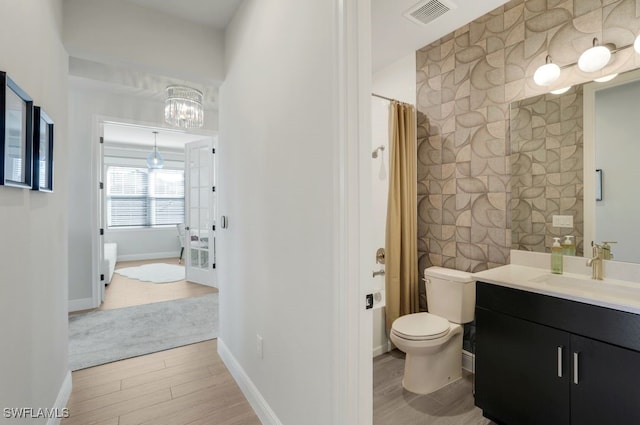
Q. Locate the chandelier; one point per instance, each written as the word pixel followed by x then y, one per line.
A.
pixel 183 107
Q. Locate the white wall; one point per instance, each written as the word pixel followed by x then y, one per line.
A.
pixel 145 244
pixel 89 103
pixel 277 186
pixel 397 81
pixel 117 31
pixel 33 225
pixel 616 152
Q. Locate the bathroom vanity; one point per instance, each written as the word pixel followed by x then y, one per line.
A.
pixel 556 350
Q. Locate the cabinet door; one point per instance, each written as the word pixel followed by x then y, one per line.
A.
pixel 517 378
pixel 608 388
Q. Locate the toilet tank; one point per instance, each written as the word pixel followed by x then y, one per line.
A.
pixel 450 294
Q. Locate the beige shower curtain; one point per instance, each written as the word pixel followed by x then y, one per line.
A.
pixel 401 268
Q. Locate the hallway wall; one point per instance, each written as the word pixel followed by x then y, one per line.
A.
pixel 33 225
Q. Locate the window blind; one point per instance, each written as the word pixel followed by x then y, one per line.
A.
pixel 138 197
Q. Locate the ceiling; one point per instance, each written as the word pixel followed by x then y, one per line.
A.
pixel 213 13
pixel 393 37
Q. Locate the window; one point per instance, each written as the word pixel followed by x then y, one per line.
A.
pixel 138 197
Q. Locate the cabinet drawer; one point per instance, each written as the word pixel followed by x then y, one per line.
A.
pixel 603 324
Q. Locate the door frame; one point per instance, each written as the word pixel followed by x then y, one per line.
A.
pixel 98 122
pixel 353 325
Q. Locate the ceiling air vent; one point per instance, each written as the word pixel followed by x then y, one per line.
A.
pixel 428 10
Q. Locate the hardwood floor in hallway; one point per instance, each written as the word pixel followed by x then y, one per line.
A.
pixel 188 385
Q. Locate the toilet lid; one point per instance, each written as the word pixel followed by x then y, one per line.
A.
pixel 420 326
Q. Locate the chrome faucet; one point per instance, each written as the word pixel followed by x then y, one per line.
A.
pixel 595 262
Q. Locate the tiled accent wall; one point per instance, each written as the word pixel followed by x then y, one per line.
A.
pixel 465 83
pixel 546 169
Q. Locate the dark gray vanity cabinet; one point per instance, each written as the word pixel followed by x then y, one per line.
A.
pixel 542 360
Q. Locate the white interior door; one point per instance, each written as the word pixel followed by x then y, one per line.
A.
pixel 199 213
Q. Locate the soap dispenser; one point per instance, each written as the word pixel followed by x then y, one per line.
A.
pixel 556 256
pixel 568 246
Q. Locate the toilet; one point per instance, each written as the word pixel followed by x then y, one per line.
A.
pixel 433 341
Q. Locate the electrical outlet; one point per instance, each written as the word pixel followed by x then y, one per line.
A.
pixel 259 351
pixel 562 221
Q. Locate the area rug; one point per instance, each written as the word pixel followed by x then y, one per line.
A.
pixel 154 272
pixel 100 337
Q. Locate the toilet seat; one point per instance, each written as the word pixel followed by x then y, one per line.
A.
pixel 420 327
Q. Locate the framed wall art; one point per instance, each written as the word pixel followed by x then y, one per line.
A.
pixel 16 134
pixel 42 151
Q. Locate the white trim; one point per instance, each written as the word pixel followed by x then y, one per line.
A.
pixel 264 412
pixel 97 289
pixel 62 399
pixel 381 349
pixel 149 256
pixel 82 304
pixel 468 361
pixel 352 324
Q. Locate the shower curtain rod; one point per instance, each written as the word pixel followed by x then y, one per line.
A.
pixel 388 98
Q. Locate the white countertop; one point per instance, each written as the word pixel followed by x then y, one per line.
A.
pixel 615 294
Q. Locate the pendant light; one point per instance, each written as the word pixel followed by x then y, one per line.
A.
pixel 154 160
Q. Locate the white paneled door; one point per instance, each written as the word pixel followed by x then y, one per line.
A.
pixel 200 197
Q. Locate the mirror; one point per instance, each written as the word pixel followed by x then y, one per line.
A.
pixel 557 143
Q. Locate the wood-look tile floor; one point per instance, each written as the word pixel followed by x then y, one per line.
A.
pixel 125 292
pixel 185 385
pixel 393 405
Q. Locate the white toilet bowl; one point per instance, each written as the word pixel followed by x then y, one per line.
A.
pixel 433 344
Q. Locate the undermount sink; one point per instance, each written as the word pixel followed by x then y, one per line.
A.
pixel 585 284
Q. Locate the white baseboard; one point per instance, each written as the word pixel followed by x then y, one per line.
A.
pixel 61 400
pixel 149 256
pixel 81 304
pixel 266 415
pixel 468 361
pixel 381 349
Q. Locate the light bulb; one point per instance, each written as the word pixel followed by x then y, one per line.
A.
pixel 546 74
pixel 636 44
pixel 594 59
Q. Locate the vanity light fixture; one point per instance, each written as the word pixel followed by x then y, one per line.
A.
pixel 546 74
pixel 594 58
pixel 560 91
pixel 591 60
pixel 605 78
